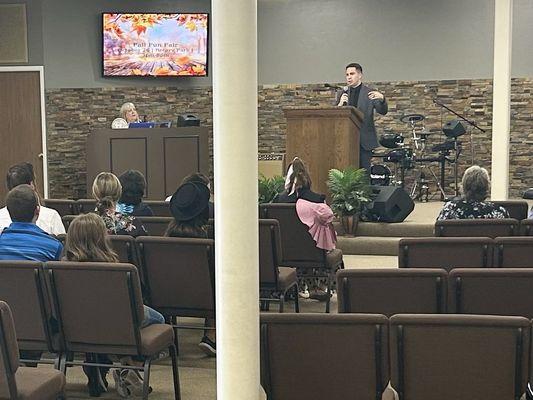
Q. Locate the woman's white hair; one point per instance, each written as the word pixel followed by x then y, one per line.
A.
pixel 125 108
pixel 475 183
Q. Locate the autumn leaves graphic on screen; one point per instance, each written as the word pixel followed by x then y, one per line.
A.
pixel 155 44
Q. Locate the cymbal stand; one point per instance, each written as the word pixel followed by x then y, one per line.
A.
pixel 420 189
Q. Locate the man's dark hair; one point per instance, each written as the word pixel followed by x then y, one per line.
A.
pixel 133 186
pixel 356 66
pixel 21 202
pixel 19 174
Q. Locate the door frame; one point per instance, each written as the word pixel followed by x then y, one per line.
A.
pixel 40 69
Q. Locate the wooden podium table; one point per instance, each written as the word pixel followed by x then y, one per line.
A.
pixel 325 138
pixel 164 155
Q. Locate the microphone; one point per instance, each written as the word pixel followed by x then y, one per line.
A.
pixel 345 91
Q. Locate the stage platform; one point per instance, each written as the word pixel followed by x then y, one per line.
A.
pixel 375 244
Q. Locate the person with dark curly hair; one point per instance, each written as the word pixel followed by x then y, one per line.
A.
pixel 131 200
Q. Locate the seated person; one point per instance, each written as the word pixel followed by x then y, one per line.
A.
pixel 198 177
pixel 298 185
pixel 129 113
pixel 313 211
pixel 190 208
pixel 49 219
pixel 87 241
pixel 23 239
pixel 475 187
pixel 131 201
pixel 107 191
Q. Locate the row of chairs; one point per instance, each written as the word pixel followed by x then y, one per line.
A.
pixel 355 356
pixel 484 227
pixel 503 291
pixel 177 274
pixel 155 226
pixel 188 261
pixel 65 308
pixel 467 252
pixel 82 206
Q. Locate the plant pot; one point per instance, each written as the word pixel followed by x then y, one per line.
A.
pixel 349 223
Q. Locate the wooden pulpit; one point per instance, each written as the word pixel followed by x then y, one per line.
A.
pixel 164 155
pixel 324 138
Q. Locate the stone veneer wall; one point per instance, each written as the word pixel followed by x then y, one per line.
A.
pixel 73 113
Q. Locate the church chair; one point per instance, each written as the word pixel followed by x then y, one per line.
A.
pixel 180 277
pixel 517 209
pixel 273 278
pixel 67 219
pixel 493 291
pixel 392 291
pixel 18 382
pixel 23 288
pixel 443 357
pixel 62 206
pixel 108 320
pixel 477 227
pixel 155 226
pixel 159 207
pixel 445 253
pixel 86 205
pixel 324 356
pixel 299 249
pixel 513 252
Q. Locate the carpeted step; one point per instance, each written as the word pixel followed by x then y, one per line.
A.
pixel 354 261
pixel 370 245
pixel 401 229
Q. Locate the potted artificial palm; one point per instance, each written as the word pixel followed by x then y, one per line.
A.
pixel 269 187
pixel 350 192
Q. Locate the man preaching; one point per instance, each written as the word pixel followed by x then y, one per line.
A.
pixel 367 100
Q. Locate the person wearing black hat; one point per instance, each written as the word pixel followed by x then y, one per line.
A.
pixel 189 206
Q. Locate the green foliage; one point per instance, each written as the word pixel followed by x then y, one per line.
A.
pixel 270 187
pixel 350 190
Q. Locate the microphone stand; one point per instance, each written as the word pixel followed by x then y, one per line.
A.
pixel 472 123
pixel 456 144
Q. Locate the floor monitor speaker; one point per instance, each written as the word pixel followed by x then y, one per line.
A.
pixel 391 204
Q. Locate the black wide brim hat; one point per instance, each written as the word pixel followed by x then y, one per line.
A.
pixel 189 201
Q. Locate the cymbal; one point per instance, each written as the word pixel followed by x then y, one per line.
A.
pixel 412 118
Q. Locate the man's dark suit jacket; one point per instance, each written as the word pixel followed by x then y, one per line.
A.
pixel 368 138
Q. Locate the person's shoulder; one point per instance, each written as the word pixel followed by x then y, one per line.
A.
pixel 309 195
pixel 284 197
pixel 143 210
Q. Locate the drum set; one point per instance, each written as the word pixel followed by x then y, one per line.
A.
pixel 417 158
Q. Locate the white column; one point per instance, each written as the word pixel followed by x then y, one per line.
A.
pixel 501 98
pixel 234 70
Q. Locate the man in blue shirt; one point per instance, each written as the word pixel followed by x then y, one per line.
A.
pixel 23 239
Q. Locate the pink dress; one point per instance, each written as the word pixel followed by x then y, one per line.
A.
pixel 318 217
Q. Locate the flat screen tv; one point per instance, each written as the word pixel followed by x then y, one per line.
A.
pixel 154 45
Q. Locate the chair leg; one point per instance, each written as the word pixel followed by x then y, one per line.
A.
pixel 281 302
pixel 173 321
pixel 146 377
pixel 63 363
pixel 328 291
pixel 296 301
pixel 175 373
pixel 57 362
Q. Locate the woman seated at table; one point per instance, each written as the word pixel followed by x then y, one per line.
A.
pixel 475 187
